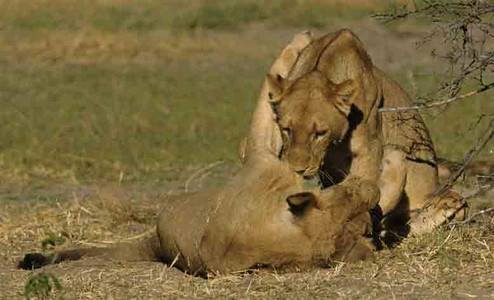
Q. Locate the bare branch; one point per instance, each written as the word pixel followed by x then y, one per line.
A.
pixel 438 103
pixel 479 145
pixel 469 219
pixel 464 29
pixel 480 192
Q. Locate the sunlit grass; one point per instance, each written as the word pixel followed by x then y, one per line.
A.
pixel 455 127
pixel 100 120
pixel 174 15
pixel 98 89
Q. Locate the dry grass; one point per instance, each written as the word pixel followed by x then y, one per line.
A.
pixel 449 263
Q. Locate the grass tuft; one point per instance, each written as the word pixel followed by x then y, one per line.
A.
pixel 41 286
pixel 54 240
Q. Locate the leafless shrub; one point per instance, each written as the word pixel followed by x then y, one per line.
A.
pixel 462 34
pixel 465 31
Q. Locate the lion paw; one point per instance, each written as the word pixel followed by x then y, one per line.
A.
pixel 441 210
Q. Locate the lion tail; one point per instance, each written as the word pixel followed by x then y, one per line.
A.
pixel 145 250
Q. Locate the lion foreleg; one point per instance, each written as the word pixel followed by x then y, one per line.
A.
pixel 392 179
pixel 351 197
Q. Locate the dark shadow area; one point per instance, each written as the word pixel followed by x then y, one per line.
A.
pixel 396 224
pixel 338 158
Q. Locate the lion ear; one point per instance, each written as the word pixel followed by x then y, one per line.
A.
pixel 300 202
pixel 275 87
pixel 346 93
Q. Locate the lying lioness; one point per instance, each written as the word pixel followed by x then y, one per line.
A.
pixel 261 217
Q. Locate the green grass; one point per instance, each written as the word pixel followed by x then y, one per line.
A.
pixel 145 88
pixel 279 13
pixel 41 286
pixel 456 127
pixel 96 121
pixel 99 120
pixel 144 15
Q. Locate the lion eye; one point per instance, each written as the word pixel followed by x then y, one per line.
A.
pixel 320 134
pixel 286 130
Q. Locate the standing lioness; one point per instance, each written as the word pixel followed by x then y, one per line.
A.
pixel 262 216
pixel 324 119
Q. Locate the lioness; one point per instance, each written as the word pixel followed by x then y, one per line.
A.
pixel 326 115
pixel 262 216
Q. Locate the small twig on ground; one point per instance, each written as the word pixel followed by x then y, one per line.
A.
pixel 433 253
pixel 106 243
pixel 438 103
pixel 135 237
pixel 199 172
pixel 174 261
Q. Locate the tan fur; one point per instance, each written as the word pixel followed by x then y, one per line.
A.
pixel 320 133
pixel 264 135
pixel 262 216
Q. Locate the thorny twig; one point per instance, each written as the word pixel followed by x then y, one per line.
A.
pixel 479 145
pixel 469 219
pixel 481 191
pixel 464 29
pixel 438 103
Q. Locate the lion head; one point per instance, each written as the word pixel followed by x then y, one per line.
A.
pixel 312 114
